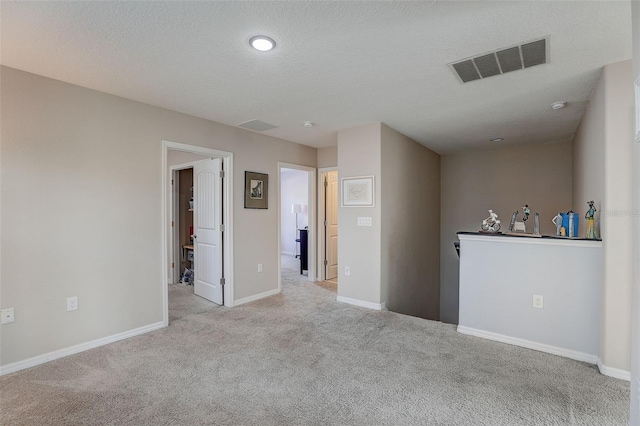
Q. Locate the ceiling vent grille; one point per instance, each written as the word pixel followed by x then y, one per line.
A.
pixel 501 61
pixel 257 125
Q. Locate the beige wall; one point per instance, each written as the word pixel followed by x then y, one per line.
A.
pixel 617 241
pixel 410 187
pixel 504 180
pixel 81 210
pixel 328 157
pixel 604 153
pixel 175 158
pixel 635 330
pixel 588 154
pixel 359 246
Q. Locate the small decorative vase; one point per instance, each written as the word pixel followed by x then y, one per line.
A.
pixel 591 230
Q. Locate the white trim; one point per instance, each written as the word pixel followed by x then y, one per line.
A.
pixel 362 303
pixel 614 372
pixel 321 237
pixel 531 240
pixel 60 353
pixel 228 261
pixel 555 350
pixel 256 297
pixel 311 223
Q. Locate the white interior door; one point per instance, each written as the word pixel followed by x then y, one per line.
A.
pixel 207 221
pixel 331 232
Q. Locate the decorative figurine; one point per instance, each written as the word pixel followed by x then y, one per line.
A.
pixel 557 221
pixel 591 227
pixel 513 221
pixel 520 226
pixel 573 228
pixel 491 224
pixel 536 223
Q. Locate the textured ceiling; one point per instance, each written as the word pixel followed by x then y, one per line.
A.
pixel 337 64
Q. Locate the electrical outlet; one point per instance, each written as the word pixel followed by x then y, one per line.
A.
pixel 538 301
pixel 8 316
pixel 72 303
pixel 347 270
pixel 259 267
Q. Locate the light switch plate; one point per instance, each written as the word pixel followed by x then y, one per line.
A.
pixel 364 221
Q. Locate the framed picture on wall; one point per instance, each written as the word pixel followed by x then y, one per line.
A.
pixel 256 189
pixel 358 191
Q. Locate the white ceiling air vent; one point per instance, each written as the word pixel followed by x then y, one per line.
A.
pixel 257 125
pixel 500 61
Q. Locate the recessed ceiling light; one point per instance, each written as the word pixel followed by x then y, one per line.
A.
pixel 559 105
pixel 262 43
pixel 497 139
pixel 307 124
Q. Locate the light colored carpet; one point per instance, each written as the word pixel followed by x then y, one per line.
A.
pixel 301 358
pixel 182 302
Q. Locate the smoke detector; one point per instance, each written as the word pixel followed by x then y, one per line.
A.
pixel 559 105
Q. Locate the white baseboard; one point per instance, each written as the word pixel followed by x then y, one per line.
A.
pixel 555 350
pixel 614 372
pixel 255 297
pixel 361 303
pixel 60 353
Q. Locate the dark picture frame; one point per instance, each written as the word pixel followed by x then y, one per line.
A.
pixel 256 190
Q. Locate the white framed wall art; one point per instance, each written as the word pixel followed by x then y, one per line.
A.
pixel 358 191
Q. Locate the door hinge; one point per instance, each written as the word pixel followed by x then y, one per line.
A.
pixel 325 182
pixel 221 173
pixel 172 223
pixel 222 281
pixel 173 265
pixel 325 262
pixel 222 227
pixel 171 182
pixel 325 223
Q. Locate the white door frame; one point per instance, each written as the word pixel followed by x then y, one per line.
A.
pixel 321 217
pixel 227 214
pixel 311 194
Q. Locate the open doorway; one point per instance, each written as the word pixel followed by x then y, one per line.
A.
pixel 198 238
pixel 294 220
pixel 296 224
pixel 183 297
pixel 182 261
